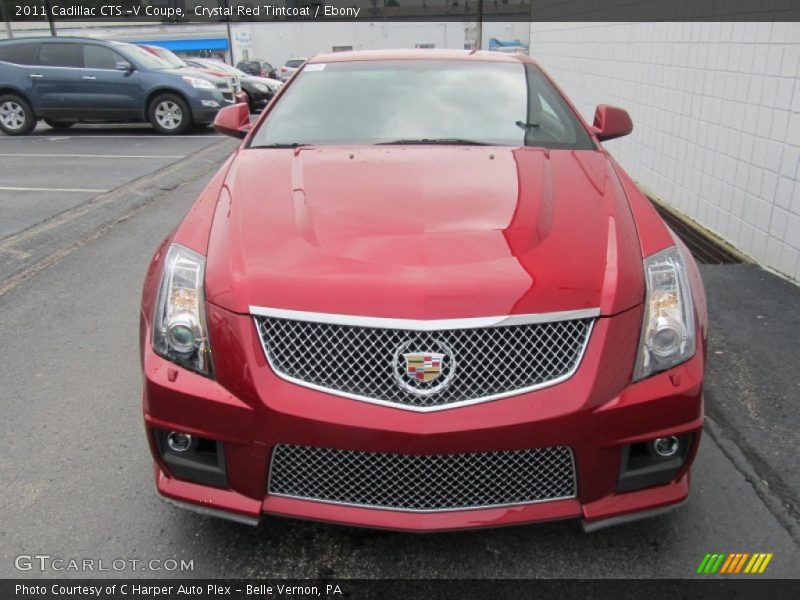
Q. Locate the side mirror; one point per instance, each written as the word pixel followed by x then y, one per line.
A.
pixel 611 122
pixel 124 65
pixel 233 120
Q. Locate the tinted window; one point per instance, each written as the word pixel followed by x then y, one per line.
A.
pixel 419 101
pixel 294 63
pixel 20 54
pixel 98 57
pixel 61 55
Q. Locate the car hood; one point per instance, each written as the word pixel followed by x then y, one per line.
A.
pixel 195 72
pixel 429 232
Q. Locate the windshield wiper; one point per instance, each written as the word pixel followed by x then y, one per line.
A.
pixel 284 145
pixel 526 126
pixel 440 141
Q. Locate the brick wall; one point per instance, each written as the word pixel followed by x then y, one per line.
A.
pixel 716 112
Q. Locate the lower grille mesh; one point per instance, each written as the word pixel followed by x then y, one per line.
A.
pixel 422 482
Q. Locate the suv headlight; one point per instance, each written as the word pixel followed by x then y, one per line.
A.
pixel 201 84
pixel 180 333
pixel 261 88
pixel 668 329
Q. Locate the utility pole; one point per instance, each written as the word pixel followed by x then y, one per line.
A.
pixel 50 22
pixel 479 27
pixel 6 21
pixel 228 28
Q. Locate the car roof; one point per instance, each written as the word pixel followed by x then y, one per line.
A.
pixel 418 54
pixel 61 38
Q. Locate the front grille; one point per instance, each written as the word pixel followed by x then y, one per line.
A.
pixel 422 482
pixel 374 364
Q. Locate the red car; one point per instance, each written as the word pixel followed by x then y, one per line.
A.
pixel 410 302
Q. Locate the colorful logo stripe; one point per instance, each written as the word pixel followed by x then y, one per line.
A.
pixel 737 562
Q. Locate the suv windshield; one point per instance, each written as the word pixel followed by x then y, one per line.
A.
pixel 142 57
pixel 422 102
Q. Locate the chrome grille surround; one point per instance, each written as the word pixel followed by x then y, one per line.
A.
pixel 422 483
pixel 357 357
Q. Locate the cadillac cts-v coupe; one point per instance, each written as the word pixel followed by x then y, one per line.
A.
pixel 410 302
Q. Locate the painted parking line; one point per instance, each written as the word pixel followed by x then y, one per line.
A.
pixel 35 155
pixel 39 189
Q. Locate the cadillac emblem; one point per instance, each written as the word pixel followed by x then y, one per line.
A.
pixel 424 368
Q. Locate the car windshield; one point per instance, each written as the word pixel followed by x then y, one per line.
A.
pixel 295 63
pixel 142 57
pixel 221 66
pixel 422 102
pixel 168 57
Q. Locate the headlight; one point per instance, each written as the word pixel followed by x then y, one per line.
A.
pixel 668 330
pixel 261 88
pixel 180 333
pixel 201 84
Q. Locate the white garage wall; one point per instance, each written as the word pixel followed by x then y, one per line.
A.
pixel 277 42
pixel 716 112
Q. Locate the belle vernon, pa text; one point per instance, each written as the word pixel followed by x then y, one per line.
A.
pixel 156 591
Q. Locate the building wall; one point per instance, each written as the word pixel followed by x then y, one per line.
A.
pixel 277 42
pixel 716 112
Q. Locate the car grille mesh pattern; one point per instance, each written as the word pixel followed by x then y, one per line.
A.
pixel 422 482
pixel 367 362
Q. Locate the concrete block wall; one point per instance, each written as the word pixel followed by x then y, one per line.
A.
pixel 716 112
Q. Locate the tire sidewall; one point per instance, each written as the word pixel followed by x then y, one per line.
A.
pixel 186 121
pixel 30 117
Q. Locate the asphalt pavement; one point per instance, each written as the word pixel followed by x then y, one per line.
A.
pixel 75 473
pixel 50 171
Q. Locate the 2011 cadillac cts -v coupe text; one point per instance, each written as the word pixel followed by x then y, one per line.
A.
pixel 410 302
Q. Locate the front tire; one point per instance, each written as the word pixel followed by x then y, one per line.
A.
pixel 59 125
pixel 169 114
pixel 16 115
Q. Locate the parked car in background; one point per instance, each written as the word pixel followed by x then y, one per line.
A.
pixel 290 66
pixel 66 80
pixel 221 78
pixel 259 90
pixel 401 306
pixel 258 68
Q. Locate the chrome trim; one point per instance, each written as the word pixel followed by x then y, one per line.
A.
pixel 418 510
pixel 423 324
pixel 428 510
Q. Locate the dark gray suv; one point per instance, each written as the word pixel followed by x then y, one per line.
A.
pixel 66 80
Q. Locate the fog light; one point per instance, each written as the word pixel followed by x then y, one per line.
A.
pixel 210 103
pixel 179 442
pixel 666 446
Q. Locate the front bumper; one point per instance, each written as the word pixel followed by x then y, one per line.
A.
pixel 205 105
pixel 597 413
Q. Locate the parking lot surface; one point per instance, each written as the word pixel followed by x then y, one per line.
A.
pixel 75 475
pixel 50 171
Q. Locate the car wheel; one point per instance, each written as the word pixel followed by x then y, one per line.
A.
pixel 169 114
pixel 16 115
pixel 60 125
